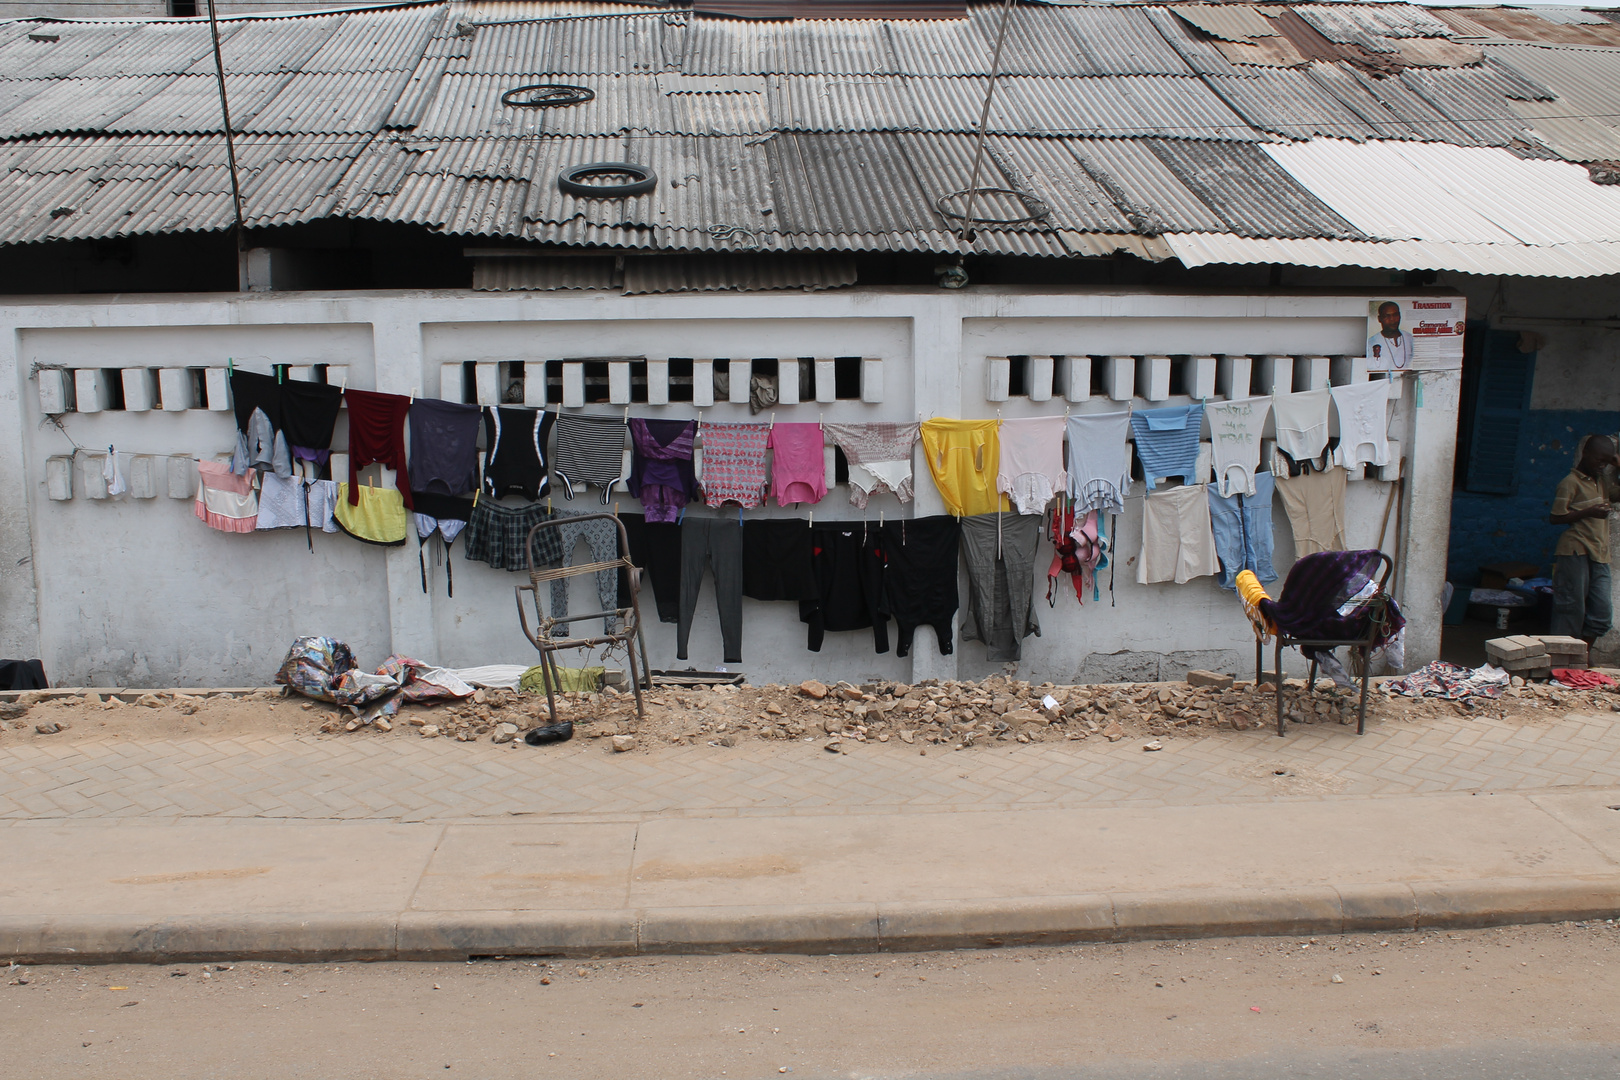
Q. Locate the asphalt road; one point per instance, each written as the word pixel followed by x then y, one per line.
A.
pixel 1520 1003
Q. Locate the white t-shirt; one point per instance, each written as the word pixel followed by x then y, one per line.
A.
pixel 1390 354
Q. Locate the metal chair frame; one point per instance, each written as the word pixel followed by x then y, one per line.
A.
pixel 541 636
pixel 1379 602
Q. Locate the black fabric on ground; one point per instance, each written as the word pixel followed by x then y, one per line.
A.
pixel 656 548
pixel 920 578
pixel 847 573
pixel 776 560
pixel 22 675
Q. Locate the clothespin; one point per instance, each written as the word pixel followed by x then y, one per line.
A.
pixel 412 401
pixel 811 523
pixel 345 385
pixel 548 504
pixel 615 507
pixel 230 366
pixel 880 519
pixel 627 414
pixel 773 419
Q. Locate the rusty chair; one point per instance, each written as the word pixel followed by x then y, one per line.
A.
pixel 543 636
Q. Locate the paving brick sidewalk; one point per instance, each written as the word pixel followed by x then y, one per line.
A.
pixel 315 778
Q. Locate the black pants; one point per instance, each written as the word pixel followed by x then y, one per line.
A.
pixel 919 578
pixel 776 560
pixel 847 567
pixel 715 543
pixel 656 548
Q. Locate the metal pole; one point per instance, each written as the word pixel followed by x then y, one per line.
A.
pixel 225 112
pixel 968 232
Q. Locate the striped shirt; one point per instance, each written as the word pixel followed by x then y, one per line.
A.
pixel 1167 441
pixel 590 450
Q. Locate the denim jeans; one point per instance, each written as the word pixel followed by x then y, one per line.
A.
pixel 1583 601
pixel 1242 526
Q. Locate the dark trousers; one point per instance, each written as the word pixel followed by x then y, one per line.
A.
pixel 656 548
pixel 716 543
pixel 1583 598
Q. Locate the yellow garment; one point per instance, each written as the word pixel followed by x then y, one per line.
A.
pixel 1251 593
pixel 964 457
pixel 379 519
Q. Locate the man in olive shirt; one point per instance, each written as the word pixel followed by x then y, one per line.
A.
pixel 1582 602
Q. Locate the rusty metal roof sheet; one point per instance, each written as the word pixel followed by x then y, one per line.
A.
pixel 1528 24
pixel 1248 190
pixel 1583 124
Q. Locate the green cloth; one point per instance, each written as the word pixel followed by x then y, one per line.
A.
pixel 587 680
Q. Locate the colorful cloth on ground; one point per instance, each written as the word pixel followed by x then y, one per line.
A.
pixel 1451 681
pixel 879 457
pixel 661 472
pixel 964 457
pixel 225 501
pixel 1326 598
pixel 586 680
pixel 1582 679
pixel 734 464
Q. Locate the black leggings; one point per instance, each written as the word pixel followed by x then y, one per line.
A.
pixel 656 548
pixel 776 560
pixel 919 585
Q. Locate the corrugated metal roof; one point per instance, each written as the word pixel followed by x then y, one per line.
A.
pixel 537 273
pixel 158 48
pixel 1582 123
pixel 1593 259
pixel 1369 25
pixel 1288 101
pixel 1120 107
pixel 1278 52
pixel 1466 195
pixel 319 102
pixel 736 273
pixel 57 49
pixel 838 103
pixel 378 41
pixel 1229 22
pixel 191 104
pixel 1249 190
pixel 1474 100
pixel 1526 24
pixel 267 46
pixel 63 105
pixel 1146 191
pixel 1193 47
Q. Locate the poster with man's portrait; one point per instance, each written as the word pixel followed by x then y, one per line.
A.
pixel 1415 333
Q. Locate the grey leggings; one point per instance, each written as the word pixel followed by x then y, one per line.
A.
pixel 1001 590
pixel 603 539
pixel 717 543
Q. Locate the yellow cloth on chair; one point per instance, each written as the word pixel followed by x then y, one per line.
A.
pixel 1251 593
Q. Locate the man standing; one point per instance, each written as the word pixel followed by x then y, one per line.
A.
pixel 1582 602
pixel 1391 348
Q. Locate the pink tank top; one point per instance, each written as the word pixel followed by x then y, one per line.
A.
pixel 798 472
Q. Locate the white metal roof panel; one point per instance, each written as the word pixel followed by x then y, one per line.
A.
pixel 1466 195
pixel 1230 22
pixel 1588 259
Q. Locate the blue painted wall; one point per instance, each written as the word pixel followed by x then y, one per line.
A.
pixel 1488 529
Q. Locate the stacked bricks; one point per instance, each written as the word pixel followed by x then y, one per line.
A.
pixel 1565 652
pixel 1520 655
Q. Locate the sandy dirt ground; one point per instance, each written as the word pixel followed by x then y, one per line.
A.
pixel 926 1014
pixel 968 715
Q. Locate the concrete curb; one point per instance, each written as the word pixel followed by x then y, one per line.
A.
pixel 830 928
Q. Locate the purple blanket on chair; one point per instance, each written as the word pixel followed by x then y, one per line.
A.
pixel 1323 600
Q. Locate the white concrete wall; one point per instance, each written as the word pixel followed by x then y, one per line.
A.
pixel 138 592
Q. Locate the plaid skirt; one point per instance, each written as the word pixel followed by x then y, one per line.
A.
pixel 497 534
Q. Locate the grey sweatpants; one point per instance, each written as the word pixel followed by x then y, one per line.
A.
pixel 602 536
pixel 718 544
pixel 1001 592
